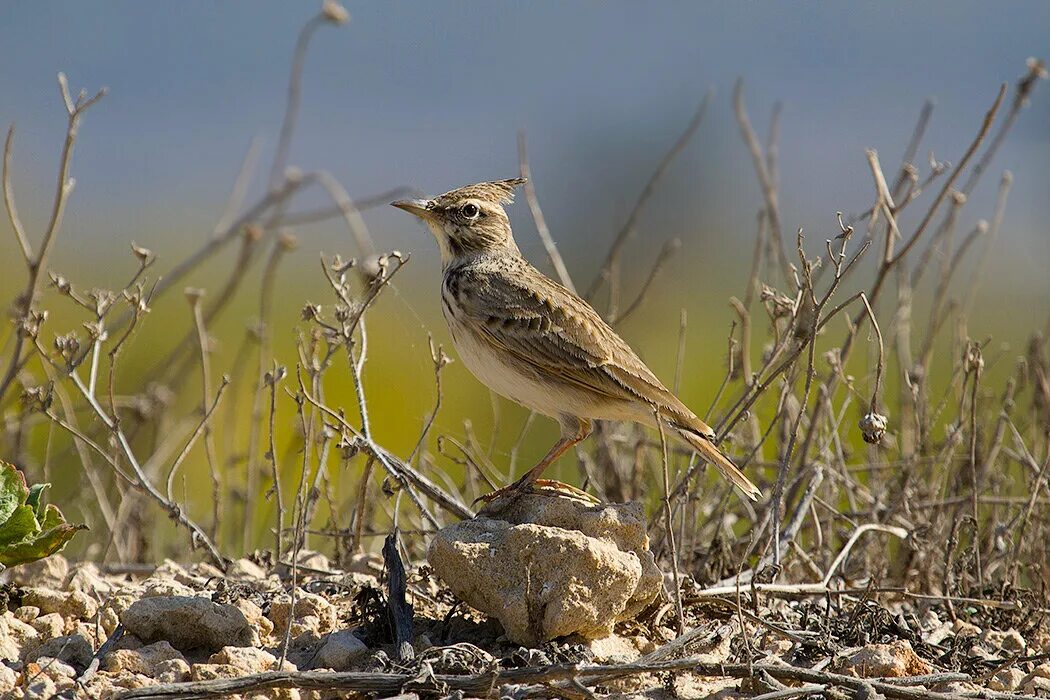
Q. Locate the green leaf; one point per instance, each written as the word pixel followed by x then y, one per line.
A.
pixel 20 526
pixel 43 545
pixel 13 490
pixel 29 529
pixel 36 492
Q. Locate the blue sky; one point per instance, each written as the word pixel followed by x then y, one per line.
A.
pixel 432 94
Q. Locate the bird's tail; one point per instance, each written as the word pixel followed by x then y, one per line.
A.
pixel 712 454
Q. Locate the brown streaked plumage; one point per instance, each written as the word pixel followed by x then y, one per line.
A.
pixel 535 342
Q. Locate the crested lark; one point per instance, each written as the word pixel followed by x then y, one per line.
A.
pixel 533 341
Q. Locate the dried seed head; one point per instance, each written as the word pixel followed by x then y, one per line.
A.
pixel 61 284
pixel 973 359
pixel 834 359
pixel 38 398
pixel 335 13
pixel 68 346
pixel 310 312
pixel 104 299
pixel 145 255
pixel 274 376
pixel 29 327
pixel 293 175
pixel 253 232
pixel 873 427
pixel 193 295
pixel 287 240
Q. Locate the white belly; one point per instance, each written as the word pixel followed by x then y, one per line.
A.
pixel 524 385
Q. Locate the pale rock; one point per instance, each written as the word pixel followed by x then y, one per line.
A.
pixel 206 571
pixel 74 649
pixel 210 672
pixel 144 660
pixel 314 560
pixel 245 570
pixel 59 671
pixel 127 681
pixel 249 660
pixel 86 578
pixel 884 660
pixel 547 566
pixel 188 623
pixel 254 615
pixel 1013 642
pixel 8 679
pixel 1035 685
pixel 16 637
pixel 89 631
pixel 1041 671
pixel 339 651
pixel 172 671
pixel 41 688
pixel 1006 680
pixel 624 524
pixel 312 612
pixel 108 619
pixel 27 613
pixel 614 649
pixel 70 604
pixel 171 569
pixel 49 626
pixel 939 633
pixel 966 629
pixel 49 572
pixel 161 587
pixel 109 615
pixel 689 686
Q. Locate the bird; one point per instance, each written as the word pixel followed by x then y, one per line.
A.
pixel 535 342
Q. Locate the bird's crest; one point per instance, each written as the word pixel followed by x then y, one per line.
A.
pixel 497 192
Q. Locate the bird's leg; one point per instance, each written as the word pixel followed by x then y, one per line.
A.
pixel 580 428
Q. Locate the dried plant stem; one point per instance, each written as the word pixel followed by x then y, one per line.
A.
pixel 38 264
pixel 209 441
pixel 542 231
pixel 669 529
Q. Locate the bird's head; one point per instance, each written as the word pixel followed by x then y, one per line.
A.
pixel 468 220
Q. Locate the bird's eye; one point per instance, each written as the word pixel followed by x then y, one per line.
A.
pixel 470 211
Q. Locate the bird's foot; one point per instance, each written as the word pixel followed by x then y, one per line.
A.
pixel 560 488
pixel 548 486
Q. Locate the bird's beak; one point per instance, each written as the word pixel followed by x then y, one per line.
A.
pixel 423 208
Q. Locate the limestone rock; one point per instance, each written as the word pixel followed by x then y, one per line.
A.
pixel 73 649
pixel 248 660
pixel 884 660
pixel 188 623
pixel 15 637
pixel 339 651
pixel 172 671
pixel 49 626
pixel 86 577
pixel 74 604
pixel 254 615
pixel 245 570
pixel 549 567
pixel 49 572
pixel 27 613
pixel 1007 679
pixel 8 679
pixel 144 660
pixel 312 613
pixel 622 523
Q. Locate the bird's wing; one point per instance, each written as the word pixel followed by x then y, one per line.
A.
pixel 550 329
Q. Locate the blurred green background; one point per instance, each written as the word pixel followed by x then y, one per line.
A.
pixel 431 95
